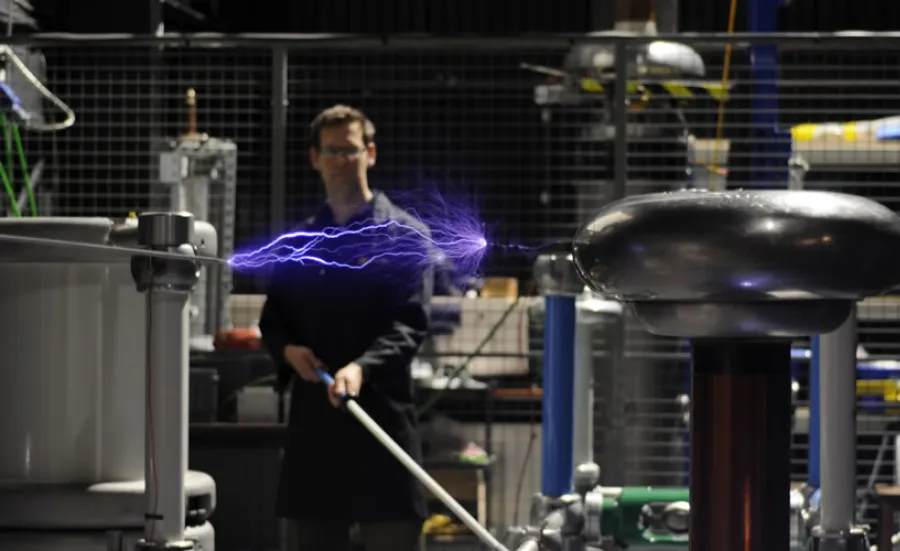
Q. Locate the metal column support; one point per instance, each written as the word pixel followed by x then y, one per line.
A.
pixel 837 392
pixel 583 400
pixel 592 314
pixel 814 446
pixel 166 455
pixel 279 139
pixel 557 465
pixel 773 152
pixel 167 285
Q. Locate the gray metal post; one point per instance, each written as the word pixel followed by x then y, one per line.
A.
pixel 838 417
pixel 613 458
pixel 166 453
pixel 583 398
pixel 279 138
pixel 168 285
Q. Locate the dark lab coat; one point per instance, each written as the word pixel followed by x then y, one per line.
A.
pixel 377 317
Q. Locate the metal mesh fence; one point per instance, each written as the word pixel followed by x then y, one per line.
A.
pixel 538 138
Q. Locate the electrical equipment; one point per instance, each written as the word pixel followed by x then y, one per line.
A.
pixel 201 175
pixel 72 421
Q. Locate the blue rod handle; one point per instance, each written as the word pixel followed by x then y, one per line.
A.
pixel 325 376
pixel 329 380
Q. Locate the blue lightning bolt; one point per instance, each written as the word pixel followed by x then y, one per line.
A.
pixel 456 238
pixel 369 243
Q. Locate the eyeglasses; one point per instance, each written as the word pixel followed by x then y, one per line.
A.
pixel 350 152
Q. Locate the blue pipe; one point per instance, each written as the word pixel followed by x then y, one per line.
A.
pixel 557 426
pixel 770 163
pixel 813 451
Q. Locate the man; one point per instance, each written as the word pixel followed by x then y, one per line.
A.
pixel 363 323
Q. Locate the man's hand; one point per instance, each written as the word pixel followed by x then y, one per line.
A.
pixel 303 361
pixel 347 382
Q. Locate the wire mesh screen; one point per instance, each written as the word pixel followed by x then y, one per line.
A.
pixel 536 140
pixel 130 104
pixel 463 123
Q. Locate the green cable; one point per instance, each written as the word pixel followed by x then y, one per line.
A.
pixel 9 190
pixel 7 183
pixel 22 161
pixel 435 398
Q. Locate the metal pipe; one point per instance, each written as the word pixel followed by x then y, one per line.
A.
pixel 102 251
pixel 557 466
pixel 166 449
pixel 415 469
pixel 583 399
pixel 838 421
pixel 791 41
pixel 740 445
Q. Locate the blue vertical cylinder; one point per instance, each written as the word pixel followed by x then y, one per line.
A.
pixel 814 405
pixel 557 428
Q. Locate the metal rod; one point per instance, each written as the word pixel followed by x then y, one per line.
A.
pixel 837 380
pixel 557 466
pixel 279 139
pixel 416 470
pixel 527 41
pixel 166 448
pixel 190 101
pixel 740 445
pixel 104 249
pixel 583 400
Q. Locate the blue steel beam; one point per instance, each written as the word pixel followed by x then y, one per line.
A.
pixel 772 146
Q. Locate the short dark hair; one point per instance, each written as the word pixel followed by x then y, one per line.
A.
pixel 339 115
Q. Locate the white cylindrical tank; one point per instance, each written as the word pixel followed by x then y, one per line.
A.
pixel 52 317
pixel 72 385
pixel 124 362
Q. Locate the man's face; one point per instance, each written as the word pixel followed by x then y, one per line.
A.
pixel 342 157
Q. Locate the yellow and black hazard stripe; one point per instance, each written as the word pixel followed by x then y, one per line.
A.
pixel 677 89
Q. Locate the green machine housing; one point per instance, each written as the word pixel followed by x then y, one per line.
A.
pixel 644 517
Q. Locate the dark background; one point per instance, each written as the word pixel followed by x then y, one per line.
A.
pixel 483 135
pixel 441 16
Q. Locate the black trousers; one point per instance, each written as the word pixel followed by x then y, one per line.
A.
pixel 317 535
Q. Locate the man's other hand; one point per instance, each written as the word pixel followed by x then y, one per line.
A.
pixel 347 382
pixel 303 361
